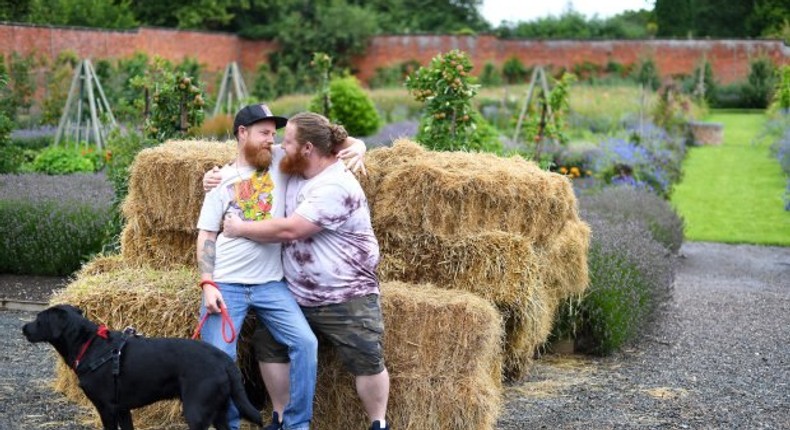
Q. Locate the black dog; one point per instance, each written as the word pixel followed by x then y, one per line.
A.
pixel 120 372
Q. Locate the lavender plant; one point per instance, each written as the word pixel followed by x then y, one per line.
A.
pixel 627 204
pixel 630 278
pixel 50 225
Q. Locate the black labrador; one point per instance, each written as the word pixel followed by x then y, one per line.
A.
pixel 119 371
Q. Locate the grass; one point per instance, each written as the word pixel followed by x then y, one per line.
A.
pixel 733 193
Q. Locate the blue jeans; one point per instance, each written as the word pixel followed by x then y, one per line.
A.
pixel 277 309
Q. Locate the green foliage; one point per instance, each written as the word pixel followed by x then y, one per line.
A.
pixel 350 106
pixel 59 79
pixel 514 71
pixel 760 83
pixel 187 14
pixel 21 82
pixel 176 104
pixel 263 87
pixel 323 27
pixel 539 126
pixel 574 25
pixel 322 63
pixel 491 76
pixel 647 74
pixel 674 17
pixel 57 160
pixel 782 92
pixel 103 13
pixel 448 122
pixel 672 109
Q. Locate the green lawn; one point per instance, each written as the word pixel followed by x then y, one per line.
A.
pixel 733 193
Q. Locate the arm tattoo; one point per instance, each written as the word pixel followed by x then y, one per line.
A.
pixel 206 262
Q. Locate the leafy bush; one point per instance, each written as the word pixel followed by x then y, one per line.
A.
pixel 630 278
pixel 626 204
pixel 350 106
pixel 58 160
pixel 50 225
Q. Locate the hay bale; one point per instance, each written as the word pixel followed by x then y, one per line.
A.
pixel 460 193
pixel 102 264
pixel 141 246
pixel 165 183
pixel 442 349
pixel 565 266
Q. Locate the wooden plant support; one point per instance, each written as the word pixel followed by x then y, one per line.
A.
pixel 232 91
pixel 81 123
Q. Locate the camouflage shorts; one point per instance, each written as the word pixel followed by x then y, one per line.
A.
pixel 354 328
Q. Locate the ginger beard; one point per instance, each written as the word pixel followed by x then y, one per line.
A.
pixel 294 164
pixel 257 156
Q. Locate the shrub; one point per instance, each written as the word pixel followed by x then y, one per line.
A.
pixel 626 204
pixel 50 225
pixel 759 84
pixel 350 106
pixel 57 160
pixel 647 74
pixel 514 71
pixel 490 77
pixel 263 86
pixel 630 278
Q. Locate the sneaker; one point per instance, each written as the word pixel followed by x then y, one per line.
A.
pixel 276 424
pixel 377 426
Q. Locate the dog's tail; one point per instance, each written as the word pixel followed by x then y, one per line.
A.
pixel 239 396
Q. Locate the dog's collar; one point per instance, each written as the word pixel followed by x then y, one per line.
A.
pixel 101 332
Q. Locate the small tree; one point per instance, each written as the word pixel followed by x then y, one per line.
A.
pixel 58 83
pixel 450 123
pixel 173 103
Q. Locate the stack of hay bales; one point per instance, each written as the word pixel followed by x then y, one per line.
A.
pixel 164 201
pixel 502 229
pixel 442 348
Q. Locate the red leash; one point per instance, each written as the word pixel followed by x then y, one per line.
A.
pixel 226 321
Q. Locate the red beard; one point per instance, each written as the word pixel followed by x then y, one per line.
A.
pixel 294 165
pixel 257 156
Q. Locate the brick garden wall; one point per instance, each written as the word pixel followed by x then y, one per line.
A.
pixel 730 58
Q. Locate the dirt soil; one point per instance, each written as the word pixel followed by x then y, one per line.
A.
pixel 717 358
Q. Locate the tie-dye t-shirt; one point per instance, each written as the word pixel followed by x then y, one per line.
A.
pixel 252 195
pixel 338 263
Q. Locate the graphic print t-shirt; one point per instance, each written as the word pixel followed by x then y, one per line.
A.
pixel 338 263
pixel 253 196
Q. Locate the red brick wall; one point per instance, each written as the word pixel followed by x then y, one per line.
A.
pixel 213 50
pixel 730 58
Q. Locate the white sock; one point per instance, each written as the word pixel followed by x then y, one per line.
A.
pixel 382 423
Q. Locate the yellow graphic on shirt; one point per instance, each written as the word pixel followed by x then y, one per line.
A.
pixel 253 197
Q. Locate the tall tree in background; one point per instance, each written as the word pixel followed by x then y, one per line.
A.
pixel 187 14
pixel 83 13
pixel 14 10
pixel 722 18
pixel 675 18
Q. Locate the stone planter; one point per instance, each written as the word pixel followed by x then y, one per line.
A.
pixel 706 133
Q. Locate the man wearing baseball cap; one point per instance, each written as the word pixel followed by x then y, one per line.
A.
pixel 240 274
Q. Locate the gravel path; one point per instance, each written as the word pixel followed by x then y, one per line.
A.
pixel 718 358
